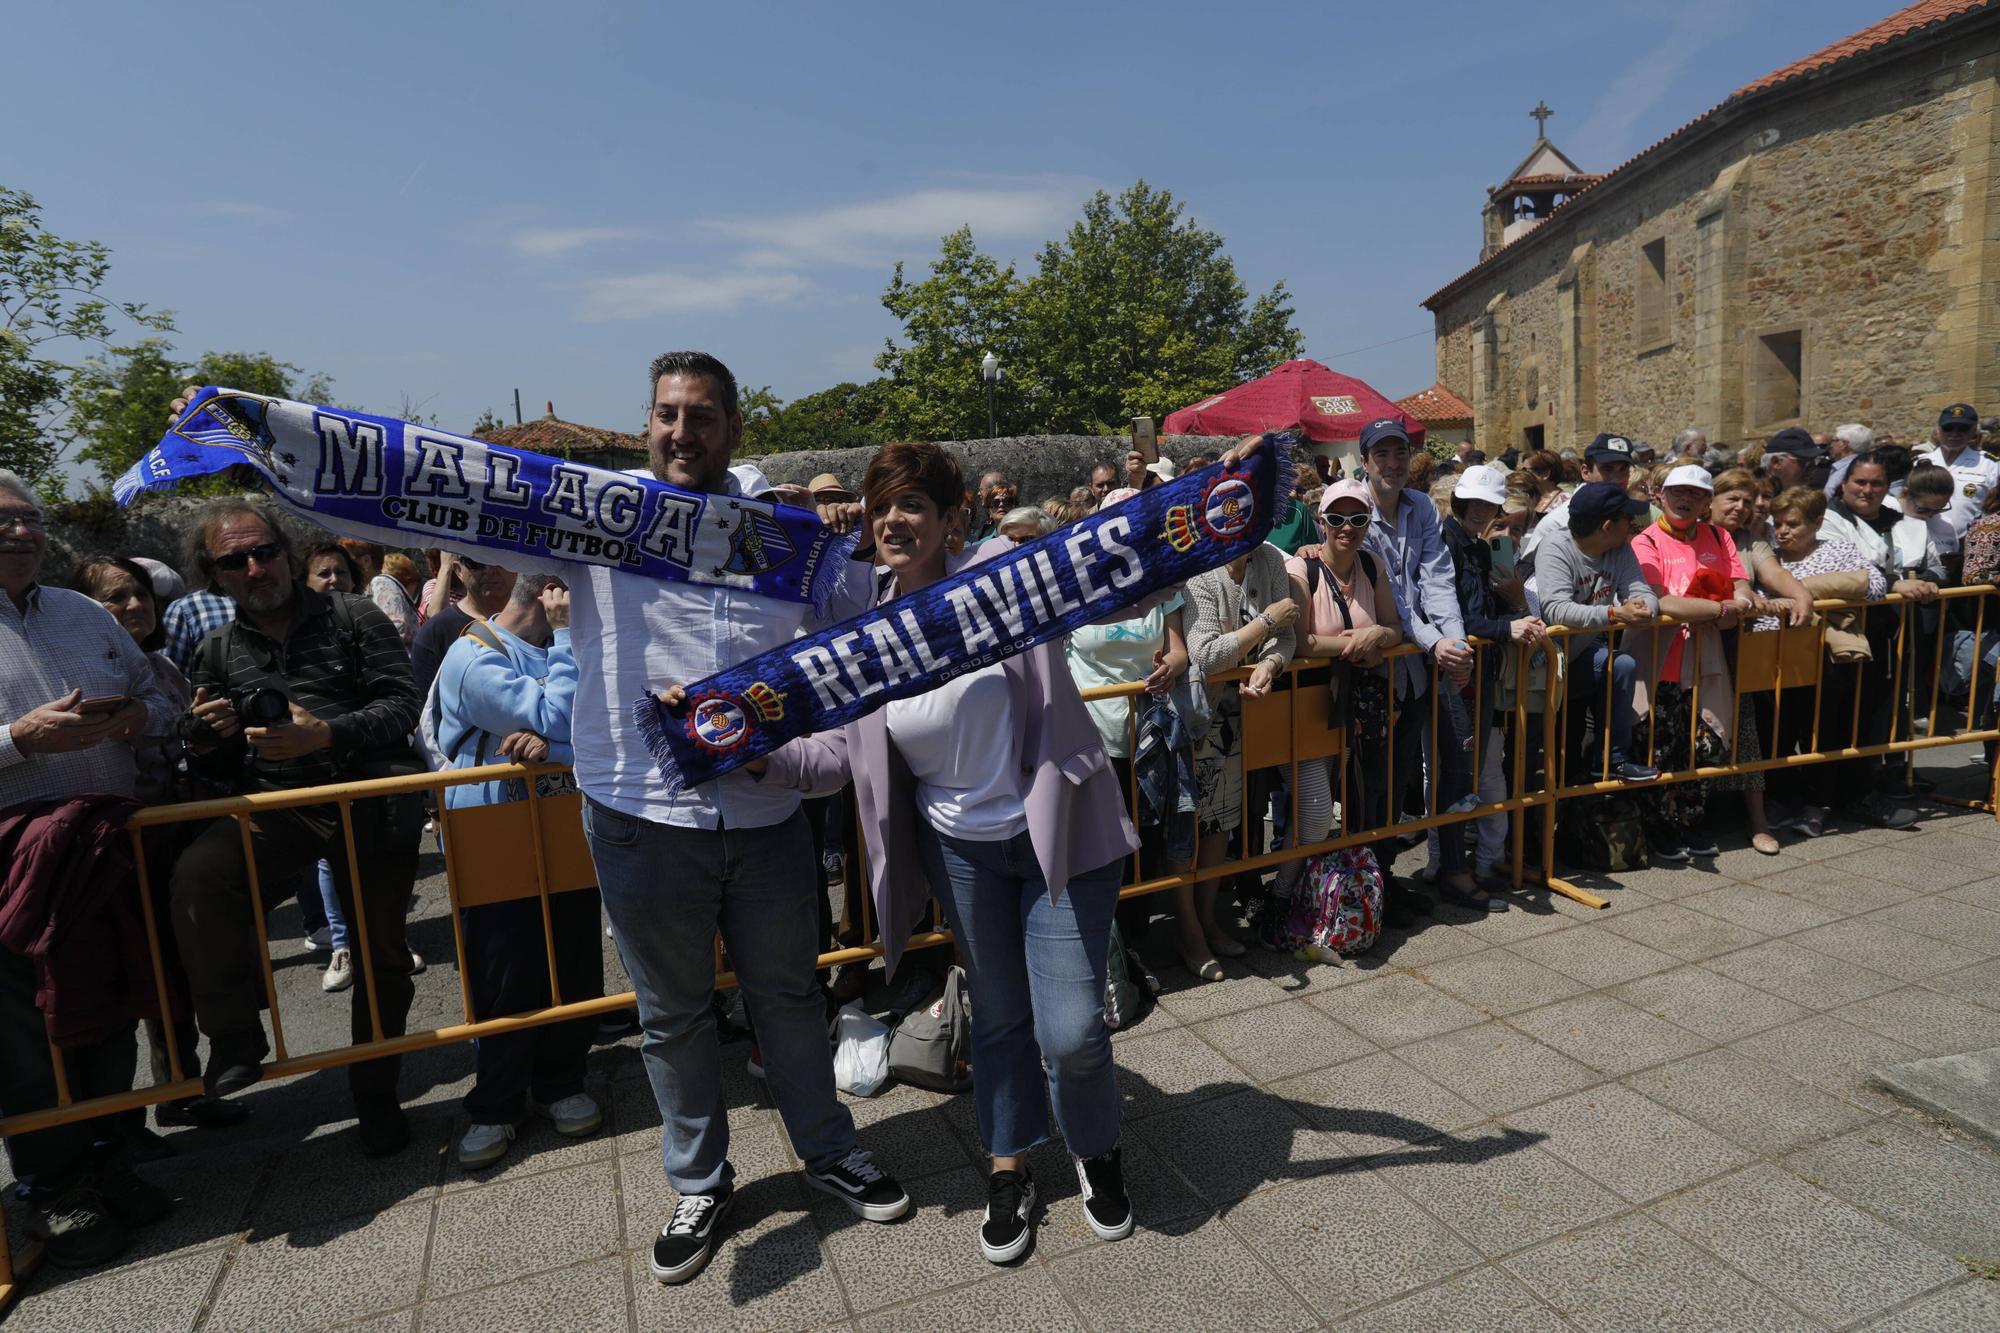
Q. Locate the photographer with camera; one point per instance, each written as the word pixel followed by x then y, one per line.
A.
pixel 301 689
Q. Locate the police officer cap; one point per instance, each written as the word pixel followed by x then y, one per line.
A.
pixel 1793 440
pixel 1609 448
pixel 1959 414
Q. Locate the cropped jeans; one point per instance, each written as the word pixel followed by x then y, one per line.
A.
pixel 1037 974
pixel 667 889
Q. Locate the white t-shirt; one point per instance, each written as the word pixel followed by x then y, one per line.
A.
pixel 1118 652
pixel 959 741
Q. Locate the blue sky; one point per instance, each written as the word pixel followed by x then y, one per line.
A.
pixel 444 202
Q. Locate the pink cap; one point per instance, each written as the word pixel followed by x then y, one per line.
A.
pixel 1344 490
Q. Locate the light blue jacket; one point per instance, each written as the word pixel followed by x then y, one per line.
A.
pixel 484 693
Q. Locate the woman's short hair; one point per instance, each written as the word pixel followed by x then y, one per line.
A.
pixel 359 554
pixel 1026 514
pixel 1737 479
pixel 1809 501
pixel 90 570
pixel 400 568
pixel 339 548
pixel 912 465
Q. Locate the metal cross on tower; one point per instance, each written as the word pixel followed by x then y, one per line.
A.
pixel 1541 115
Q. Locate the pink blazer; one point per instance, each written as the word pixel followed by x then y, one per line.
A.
pixel 1076 812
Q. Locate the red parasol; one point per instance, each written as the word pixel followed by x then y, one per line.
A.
pixel 1326 405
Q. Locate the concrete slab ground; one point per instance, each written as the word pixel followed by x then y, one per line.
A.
pixel 1657 1116
pixel 1961 1090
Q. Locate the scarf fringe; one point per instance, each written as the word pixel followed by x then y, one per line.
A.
pixel 650 716
pixel 832 571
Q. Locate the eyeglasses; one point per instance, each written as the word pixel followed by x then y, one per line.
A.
pixel 263 554
pixel 1928 511
pixel 28 522
pixel 1345 520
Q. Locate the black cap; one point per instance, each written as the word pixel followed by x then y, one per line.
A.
pixel 1596 501
pixel 1382 428
pixel 1794 440
pixel 1959 414
pixel 1609 448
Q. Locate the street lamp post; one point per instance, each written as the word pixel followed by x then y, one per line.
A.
pixel 989 370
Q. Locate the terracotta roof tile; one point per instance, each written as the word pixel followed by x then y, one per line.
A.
pixel 1905 22
pixel 1437 406
pixel 552 435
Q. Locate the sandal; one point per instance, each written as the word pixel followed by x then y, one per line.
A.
pixel 1765 843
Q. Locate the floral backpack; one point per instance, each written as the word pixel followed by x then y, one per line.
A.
pixel 1336 908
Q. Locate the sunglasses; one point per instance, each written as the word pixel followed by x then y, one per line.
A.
pixel 1345 520
pixel 263 555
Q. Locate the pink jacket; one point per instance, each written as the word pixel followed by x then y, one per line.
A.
pixel 1076 813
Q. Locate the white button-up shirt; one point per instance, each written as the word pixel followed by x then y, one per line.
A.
pixel 632 635
pixel 59 642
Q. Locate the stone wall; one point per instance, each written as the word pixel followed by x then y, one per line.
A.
pixel 1859 213
pixel 1041 465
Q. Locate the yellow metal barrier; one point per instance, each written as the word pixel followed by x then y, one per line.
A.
pixel 492 854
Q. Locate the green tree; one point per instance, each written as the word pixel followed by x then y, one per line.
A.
pixel 1135 311
pixel 121 402
pixel 968 306
pixel 50 298
pixel 847 416
pixel 488 420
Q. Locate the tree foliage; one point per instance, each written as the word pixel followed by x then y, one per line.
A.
pixel 122 399
pixel 50 300
pixel 847 416
pixel 1135 311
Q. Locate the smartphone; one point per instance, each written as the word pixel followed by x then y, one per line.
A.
pixel 110 703
pixel 1144 439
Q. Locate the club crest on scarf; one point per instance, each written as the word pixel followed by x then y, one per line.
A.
pixel 989 610
pixel 758 545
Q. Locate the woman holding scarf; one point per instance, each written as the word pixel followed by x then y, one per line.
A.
pixel 993 791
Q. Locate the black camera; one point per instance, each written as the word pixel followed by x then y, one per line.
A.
pixel 261 706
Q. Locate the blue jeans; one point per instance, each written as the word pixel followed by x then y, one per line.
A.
pixel 1037 974
pixel 1589 665
pixel 329 898
pixel 666 891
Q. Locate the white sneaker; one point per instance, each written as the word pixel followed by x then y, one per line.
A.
pixel 484 1145
pixel 575 1116
pixel 417 964
pixel 339 972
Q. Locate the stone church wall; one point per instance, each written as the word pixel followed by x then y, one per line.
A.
pixel 1861 212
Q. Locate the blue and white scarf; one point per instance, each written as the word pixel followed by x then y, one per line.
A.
pixel 976 617
pixel 405 484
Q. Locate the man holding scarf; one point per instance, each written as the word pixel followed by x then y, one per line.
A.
pixel 730 853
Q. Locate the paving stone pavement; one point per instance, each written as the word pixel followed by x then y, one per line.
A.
pixel 1650 1117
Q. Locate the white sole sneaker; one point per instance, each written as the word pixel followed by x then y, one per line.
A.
pixel 573 1129
pixel 867 1212
pixel 1014 1249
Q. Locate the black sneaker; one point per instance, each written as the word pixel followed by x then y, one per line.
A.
pixel 1875 810
pixel 688 1239
pixel 383 1127
pixel 1631 770
pixel 1105 1205
pixel 235 1062
pixel 1663 845
pixel 134 1202
pixel 77 1228
pixel 870 1191
pixel 1700 844
pixel 1009 1227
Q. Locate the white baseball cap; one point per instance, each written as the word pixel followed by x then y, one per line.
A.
pixel 1163 468
pixel 1688 474
pixel 1482 481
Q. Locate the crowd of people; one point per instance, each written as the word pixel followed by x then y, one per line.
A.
pixel 1003 795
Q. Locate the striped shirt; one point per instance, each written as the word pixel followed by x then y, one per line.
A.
pixel 189 620
pixel 356 681
pixel 60 641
